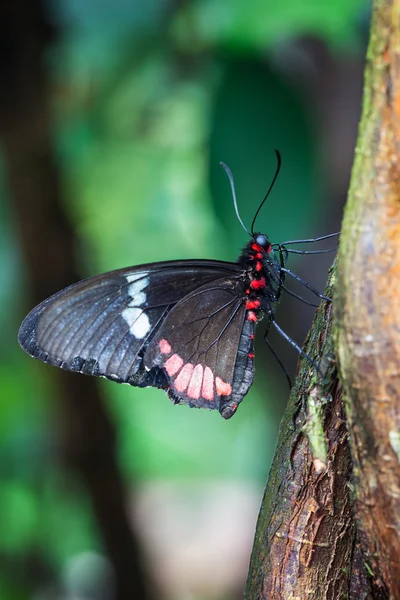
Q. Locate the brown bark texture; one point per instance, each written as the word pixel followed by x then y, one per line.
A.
pixel 329 524
pixel 368 305
pixel 48 247
pixel 306 545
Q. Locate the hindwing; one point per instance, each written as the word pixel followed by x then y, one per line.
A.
pixel 204 347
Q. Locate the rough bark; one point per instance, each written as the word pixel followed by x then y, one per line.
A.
pixel 368 307
pixel 48 246
pixel 306 544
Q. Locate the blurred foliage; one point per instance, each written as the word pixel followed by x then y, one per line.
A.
pixel 257 25
pixel 147 99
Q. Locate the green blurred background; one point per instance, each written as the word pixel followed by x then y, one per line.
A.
pixel 127 109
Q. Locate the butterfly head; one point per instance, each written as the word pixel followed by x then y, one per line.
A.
pixel 260 243
pixel 262 240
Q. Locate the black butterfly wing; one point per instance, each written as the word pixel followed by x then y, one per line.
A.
pixel 102 325
pixel 204 347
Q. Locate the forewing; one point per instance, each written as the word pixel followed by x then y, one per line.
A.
pixel 102 325
pixel 204 347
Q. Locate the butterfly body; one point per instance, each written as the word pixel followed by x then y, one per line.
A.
pixel 184 326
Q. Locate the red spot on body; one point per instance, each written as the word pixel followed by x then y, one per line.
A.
pixel 207 391
pixel 194 389
pixel 247 291
pixel 164 346
pixel 182 381
pixel 251 355
pixel 256 247
pixel 258 266
pixel 258 284
pixel 252 304
pixel 252 336
pixel 269 249
pixel 258 255
pixel 251 316
pixel 173 364
pixel 223 388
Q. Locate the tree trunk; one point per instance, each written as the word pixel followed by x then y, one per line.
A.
pixel 306 543
pixel 330 521
pixel 368 305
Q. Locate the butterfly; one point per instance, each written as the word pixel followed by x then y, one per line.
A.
pixel 185 326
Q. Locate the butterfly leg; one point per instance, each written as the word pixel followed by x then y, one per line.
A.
pixel 278 359
pixel 310 240
pixel 287 251
pixel 306 284
pixel 296 346
pixel 285 289
pixel 290 251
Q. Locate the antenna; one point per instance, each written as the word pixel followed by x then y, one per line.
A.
pixel 278 168
pixel 229 173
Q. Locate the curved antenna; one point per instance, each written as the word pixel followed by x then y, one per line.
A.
pixel 229 173
pixel 278 168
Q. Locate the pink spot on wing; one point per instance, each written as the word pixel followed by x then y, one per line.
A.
pixel 207 391
pixel 194 389
pixel 182 381
pixel 164 346
pixel 223 388
pixel 173 364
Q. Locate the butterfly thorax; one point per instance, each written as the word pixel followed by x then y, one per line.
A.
pixel 264 276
